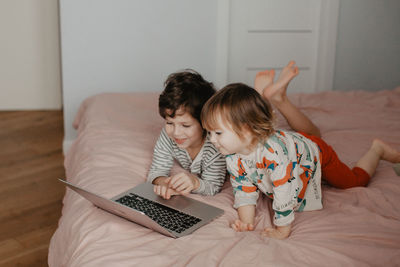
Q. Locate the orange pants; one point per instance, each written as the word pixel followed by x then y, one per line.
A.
pixel 335 172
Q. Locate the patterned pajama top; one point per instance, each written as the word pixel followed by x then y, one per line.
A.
pixel 286 168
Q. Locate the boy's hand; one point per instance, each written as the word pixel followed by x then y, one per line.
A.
pixel 162 188
pixel 184 183
pixel 280 232
pixel 240 226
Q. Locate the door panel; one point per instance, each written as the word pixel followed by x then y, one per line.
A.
pixel 266 34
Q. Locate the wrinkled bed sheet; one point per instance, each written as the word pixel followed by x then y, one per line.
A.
pixel 113 151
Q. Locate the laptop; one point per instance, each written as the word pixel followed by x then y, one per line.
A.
pixel 174 217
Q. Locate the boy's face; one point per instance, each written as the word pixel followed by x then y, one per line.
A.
pixel 228 142
pixel 185 130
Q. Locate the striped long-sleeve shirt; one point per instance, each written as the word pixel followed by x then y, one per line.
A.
pixel 209 165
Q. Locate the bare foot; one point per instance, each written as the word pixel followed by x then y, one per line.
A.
pixel 276 92
pixel 263 80
pixel 385 151
pixel 379 150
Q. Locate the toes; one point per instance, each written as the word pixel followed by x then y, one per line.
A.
pixel 291 63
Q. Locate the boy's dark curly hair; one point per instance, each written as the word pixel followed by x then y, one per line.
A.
pixel 186 89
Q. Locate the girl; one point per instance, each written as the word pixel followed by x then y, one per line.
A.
pixel 183 139
pixel 286 166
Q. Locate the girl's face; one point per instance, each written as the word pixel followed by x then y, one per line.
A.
pixel 185 130
pixel 228 142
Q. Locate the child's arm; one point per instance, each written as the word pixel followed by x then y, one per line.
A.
pixel 212 178
pixel 163 159
pixel 246 219
pixel 245 192
pixel 285 189
pixel 161 166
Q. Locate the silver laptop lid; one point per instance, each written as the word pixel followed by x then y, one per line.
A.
pixel 184 204
pixel 119 209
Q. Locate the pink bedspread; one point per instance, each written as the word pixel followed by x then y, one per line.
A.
pixel 113 151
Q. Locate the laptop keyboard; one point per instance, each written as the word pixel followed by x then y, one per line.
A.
pixel 167 217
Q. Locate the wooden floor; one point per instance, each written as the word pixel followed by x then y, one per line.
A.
pixel 31 160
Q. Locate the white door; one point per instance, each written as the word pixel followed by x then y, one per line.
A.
pixel 267 34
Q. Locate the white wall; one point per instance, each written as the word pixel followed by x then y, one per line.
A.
pixel 132 45
pixel 30 76
pixel 124 45
pixel 368 45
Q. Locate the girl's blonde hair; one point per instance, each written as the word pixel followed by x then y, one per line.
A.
pixel 238 105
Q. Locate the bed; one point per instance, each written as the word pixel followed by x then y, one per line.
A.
pixel 113 151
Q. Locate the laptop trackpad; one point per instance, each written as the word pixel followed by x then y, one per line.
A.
pixel 177 202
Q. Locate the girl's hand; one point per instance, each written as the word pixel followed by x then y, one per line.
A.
pixel 240 226
pixel 246 219
pixel 184 183
pixel 280 232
